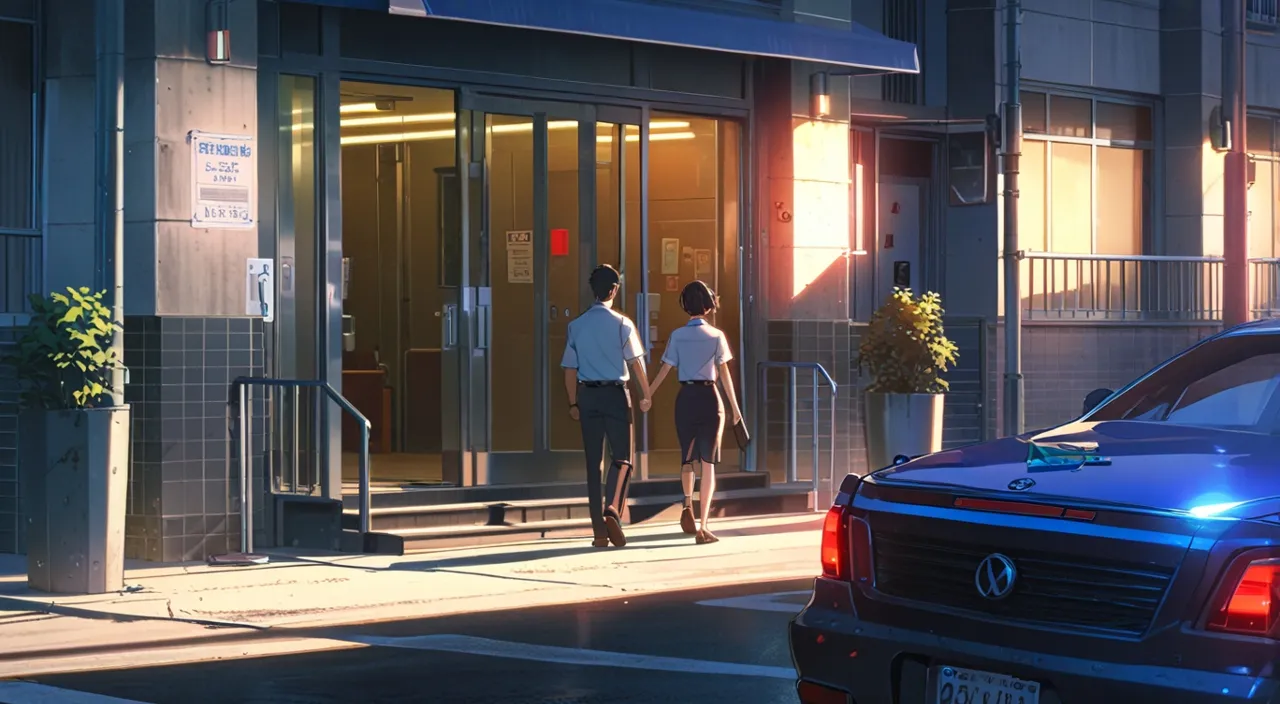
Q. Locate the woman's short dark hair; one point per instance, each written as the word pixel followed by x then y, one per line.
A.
pixel 697 298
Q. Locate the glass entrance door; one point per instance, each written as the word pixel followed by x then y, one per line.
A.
pixel 553 208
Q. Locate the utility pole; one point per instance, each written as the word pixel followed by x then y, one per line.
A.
pixel 1235 111
pixel 1013 408
pixel 109 172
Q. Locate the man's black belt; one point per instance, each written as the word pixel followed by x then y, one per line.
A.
pixel 698 382
pixel 601 384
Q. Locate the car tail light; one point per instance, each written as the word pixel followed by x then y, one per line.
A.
pixel 835 545
pixel 846 546
pixel 1247 598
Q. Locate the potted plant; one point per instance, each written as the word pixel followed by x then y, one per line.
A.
pixel 906 352
pixel 73 446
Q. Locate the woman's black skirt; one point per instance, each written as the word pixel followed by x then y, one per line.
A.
pixel 699 422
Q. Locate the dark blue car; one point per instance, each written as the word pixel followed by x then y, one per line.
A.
pixel 1132 555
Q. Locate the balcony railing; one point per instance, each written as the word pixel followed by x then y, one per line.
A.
pixel 1101 287
pixel 1262 14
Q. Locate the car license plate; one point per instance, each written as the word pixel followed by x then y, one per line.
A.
pixel 957 685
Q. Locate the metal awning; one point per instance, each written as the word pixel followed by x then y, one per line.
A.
pixel 857 48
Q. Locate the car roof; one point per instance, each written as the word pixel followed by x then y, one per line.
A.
pixel 1269 326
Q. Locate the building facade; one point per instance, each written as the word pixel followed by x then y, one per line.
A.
pixel 803 184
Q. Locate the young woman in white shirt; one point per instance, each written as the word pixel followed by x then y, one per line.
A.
pixel 700 354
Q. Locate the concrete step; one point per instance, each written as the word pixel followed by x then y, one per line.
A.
pixel 654 510
pixel 415 496
pixel 515 505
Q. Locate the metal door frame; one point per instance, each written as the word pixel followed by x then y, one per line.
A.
pixel 544 463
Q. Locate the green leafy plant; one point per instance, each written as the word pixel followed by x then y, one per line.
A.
pixel 905 348
pixel 64 360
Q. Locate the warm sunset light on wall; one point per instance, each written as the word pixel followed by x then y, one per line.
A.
pixel 820 200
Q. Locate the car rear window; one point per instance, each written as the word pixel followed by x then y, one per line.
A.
pixel 1229 382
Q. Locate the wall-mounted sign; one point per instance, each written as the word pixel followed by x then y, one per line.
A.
pixel 701 262
pixel 260 289
pixel 223 181
pixel 520 257
pixel 670 256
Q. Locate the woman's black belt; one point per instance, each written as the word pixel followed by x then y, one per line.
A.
pixel 698 382
pixel 601 384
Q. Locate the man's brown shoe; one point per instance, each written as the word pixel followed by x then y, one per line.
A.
pixel 600 543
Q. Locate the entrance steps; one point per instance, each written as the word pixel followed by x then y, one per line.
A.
pixel 420 519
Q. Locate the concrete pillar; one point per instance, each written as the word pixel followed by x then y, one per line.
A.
pixel 186 336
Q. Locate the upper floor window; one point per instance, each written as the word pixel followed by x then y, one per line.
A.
pixel 20 245
pixel 1086 175
pixel 17 125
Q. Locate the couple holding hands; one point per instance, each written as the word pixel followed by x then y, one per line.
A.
pixel 602 353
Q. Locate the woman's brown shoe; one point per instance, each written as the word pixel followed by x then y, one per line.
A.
pixel 706 537
pixel 686 520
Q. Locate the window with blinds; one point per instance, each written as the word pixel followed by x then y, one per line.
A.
pixel 902 22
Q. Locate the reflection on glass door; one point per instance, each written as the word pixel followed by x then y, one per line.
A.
pixel 513 387
pixel 694 206
pixel 565 276
pixel 402 272
pixel 553 188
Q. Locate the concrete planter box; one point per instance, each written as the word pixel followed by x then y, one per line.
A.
pixel 73 478
pixel 902 424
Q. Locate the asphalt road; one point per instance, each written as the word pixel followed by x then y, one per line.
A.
pixel 714 645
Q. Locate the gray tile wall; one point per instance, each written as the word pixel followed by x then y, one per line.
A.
pixel 11 534
pixel 1062 363
pixel 184 493
pixel 970 413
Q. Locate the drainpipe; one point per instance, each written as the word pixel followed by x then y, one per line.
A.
pixel 109 170
pixel 1235 239
pixel 1013 411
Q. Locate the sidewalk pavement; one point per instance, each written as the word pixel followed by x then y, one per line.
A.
pixel 166 606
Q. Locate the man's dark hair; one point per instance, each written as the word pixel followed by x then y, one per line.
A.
pixel 697 298
pixel 604 282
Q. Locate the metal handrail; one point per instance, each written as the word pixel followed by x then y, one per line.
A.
pixel 241 386
pixel 820 498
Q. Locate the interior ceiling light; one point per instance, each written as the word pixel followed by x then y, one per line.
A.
pixel 442 117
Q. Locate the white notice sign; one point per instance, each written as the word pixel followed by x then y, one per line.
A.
pixel 223 181
pixel 520 257
pixel 260 289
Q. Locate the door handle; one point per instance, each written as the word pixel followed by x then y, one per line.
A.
pixel 450 332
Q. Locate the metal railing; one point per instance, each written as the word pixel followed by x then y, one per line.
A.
pixel 242 398
pixel 823 490
pixel 1262 14
pixel 1264 287
pixel 1101 287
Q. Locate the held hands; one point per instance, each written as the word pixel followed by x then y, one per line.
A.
pixel 645 405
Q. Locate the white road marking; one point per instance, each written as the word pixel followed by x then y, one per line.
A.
pixel 574 656
pixel 782 602
pixel 32 693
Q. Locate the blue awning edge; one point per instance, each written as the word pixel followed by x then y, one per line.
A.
pixel 858 48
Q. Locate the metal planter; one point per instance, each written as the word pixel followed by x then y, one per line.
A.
pixel 901 424
pixel 73 478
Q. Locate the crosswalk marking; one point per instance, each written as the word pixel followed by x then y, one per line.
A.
pixel 574 656
pixel 32 693
pixel 779 602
